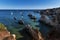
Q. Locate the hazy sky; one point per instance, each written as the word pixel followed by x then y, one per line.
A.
pixel 29 4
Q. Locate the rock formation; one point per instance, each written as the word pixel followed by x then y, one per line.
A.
pixel 29 14
pixel 5 34
pixel 20 22
pixel 49 19
pixel 11 37
pixel 32 34
pixel 54 34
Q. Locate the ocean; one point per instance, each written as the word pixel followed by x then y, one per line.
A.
pixel 7 18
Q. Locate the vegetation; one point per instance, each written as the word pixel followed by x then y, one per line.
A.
pixel 2 27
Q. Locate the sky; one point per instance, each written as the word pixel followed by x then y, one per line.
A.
pixel 29 4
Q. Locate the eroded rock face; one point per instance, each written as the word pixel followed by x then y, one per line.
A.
pixel 30 15
pixel 11 37
pixel 32 34
pixel 5 35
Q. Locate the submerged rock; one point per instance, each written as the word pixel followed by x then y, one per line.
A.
pixel 31 34
pixel 33 17
pixel 21 22
pixel 30 15
pixel 15 18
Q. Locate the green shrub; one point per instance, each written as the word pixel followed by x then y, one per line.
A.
pixel 2 27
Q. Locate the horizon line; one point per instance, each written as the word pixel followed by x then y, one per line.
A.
pixel 26 8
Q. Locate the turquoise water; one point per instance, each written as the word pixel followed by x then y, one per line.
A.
pixel 7 18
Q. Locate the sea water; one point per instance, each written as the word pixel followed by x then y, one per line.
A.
pixel 7 18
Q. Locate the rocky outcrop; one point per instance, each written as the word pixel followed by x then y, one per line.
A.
pixel 49 21
pixel 45 18
pixel 21 22
pixel 58 18
pixel 5 34
pixel 32 17
pixel 11 37
pixel 54 34
pixel 29 14
pixel 31 34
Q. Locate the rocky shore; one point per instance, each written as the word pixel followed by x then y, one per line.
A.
pixel 31 34
pixel 51 17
